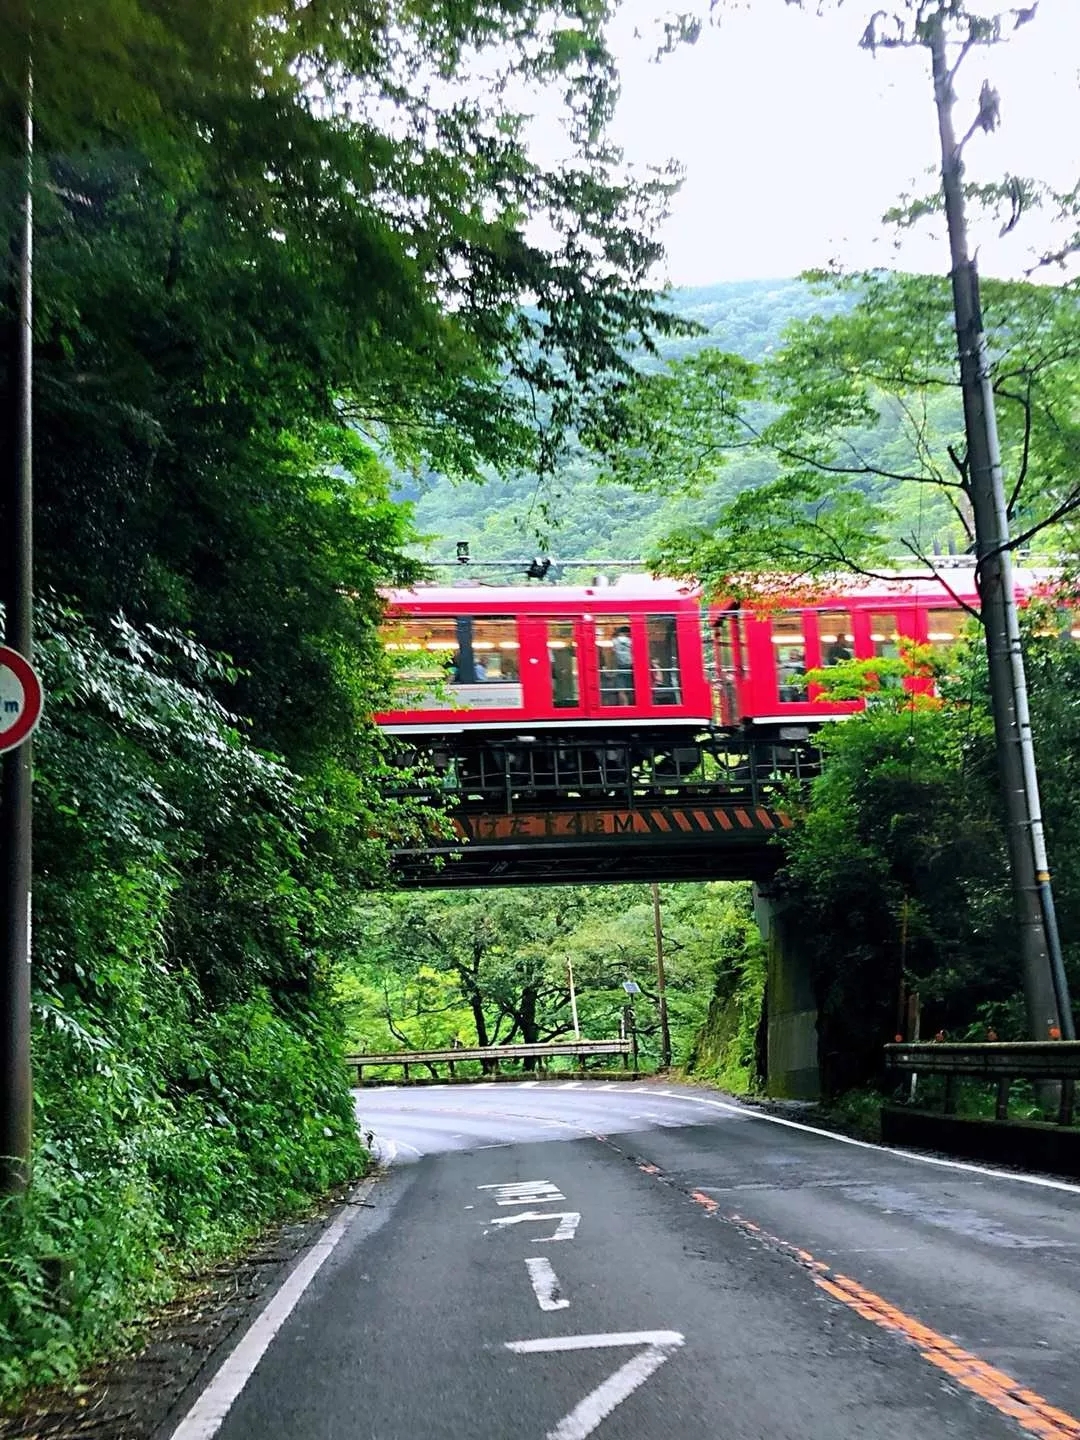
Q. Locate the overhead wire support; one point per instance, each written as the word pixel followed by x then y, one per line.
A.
pixel 1045 984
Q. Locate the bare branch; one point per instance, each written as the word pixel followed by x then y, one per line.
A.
pixel 940 578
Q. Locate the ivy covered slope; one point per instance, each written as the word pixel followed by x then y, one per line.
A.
pixel 265 254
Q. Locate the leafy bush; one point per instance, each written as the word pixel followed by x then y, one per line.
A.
pixel 188 1078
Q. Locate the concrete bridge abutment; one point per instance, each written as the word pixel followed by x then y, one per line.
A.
pixel 792 1069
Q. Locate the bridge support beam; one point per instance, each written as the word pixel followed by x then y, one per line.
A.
pixel 792 1071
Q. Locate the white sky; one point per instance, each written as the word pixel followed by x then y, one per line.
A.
pixel 795 141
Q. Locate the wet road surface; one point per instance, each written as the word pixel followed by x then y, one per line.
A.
pixel 640 1261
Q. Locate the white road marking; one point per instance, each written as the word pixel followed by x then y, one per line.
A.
pixel 206 1416
pixel 745 1113
pixel 570 1085
pixel 528 1084
pixel 599 1403
pixel 569 1220
pixel 545 1284
pixel 525 1192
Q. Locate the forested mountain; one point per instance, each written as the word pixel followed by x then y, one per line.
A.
pixel 572 514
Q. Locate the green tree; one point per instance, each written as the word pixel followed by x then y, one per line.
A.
pixel 857 418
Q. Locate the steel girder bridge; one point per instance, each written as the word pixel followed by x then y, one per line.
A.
pixel 602 810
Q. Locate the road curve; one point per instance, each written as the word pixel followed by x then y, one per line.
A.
pixel 639 1262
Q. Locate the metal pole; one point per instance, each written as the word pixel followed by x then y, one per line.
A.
pixel 573 998
pixel 661 980
pixel 16 592
pixel 1045 987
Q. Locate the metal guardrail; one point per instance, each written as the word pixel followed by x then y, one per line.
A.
pixel 491 1055
pixel 1004 1062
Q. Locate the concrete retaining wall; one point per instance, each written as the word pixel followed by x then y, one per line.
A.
pixel 1026 1144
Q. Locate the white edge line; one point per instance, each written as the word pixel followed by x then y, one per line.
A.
pixel 748 1113
pixel 208 1413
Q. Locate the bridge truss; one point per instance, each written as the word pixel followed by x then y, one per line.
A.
pixel 617 808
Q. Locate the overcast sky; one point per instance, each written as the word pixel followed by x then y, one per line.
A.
pixel 795 141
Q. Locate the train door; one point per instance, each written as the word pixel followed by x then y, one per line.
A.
pixel 727 658
pixel 614 660
pixel 567 645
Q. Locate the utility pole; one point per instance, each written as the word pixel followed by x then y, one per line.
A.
pixel 1045 986
pixel 661 981
pixel 16 592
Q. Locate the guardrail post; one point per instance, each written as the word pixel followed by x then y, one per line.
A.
pixel 1068 1100
pixel 406 1069
pixel 1001 1109
pixel 950 1094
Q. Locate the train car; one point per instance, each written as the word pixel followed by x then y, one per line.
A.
pixel 761 656
pixel 568 659
pixel 646 658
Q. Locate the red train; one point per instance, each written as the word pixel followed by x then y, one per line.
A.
pixel 643 656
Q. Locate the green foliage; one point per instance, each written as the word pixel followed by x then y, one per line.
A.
pixel 896 867
pixel 727 1048
pixel 188 1076
pixel 857 420
pixel 573 512
pixel 492 966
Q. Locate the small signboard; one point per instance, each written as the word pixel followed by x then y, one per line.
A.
pixel 20 698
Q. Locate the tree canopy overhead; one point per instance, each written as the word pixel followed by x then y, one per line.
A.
pixel 858 417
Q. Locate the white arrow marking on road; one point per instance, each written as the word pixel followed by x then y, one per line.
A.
pixel 599 1403
pixel 568 1220
pixel 570 1085
pixel 546 1285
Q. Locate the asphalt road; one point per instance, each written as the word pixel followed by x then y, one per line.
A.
pixel 642 1262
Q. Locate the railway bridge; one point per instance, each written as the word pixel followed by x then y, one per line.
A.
pixel 618 810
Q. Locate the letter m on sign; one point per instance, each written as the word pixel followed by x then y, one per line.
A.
pixel 11 707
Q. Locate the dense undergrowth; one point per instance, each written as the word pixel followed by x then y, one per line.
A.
pixel 188 1080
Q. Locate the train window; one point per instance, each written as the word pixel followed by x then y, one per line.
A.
pixel 424 648
pixel 494 650
pixel 834 632
pixel 789 648
pixel 447 661
pixel 663 660
pixel 563 659
pixel 944 627
pixel 725 644
pixel 884 636
pixel 615 660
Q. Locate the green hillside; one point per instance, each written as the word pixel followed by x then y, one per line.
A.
pixel 573 515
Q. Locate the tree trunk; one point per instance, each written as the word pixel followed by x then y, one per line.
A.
pixel 526 1016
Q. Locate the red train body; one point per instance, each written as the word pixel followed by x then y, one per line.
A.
pixel 643 655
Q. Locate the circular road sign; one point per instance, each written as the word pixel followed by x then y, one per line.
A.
pixel 20 698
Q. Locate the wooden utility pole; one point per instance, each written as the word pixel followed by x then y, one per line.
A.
pixel 1045 986
pixel 16 592
pixel 661 981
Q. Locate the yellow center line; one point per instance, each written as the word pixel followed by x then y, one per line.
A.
pixel 1009 1397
